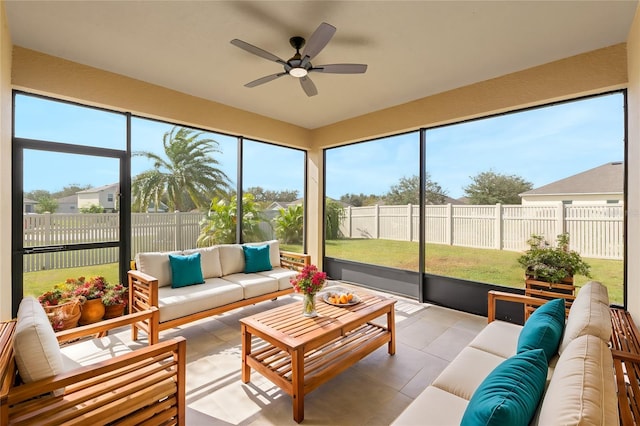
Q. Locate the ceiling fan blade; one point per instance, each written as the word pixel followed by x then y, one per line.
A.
pixel 317 41
pixel 341 68
pixel 256 51
pixel 308 86
pixel 265 79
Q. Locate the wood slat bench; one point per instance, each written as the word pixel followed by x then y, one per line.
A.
pixel 625 348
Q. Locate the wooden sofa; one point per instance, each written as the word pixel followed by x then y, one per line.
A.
pixel 95 380
pixel 226 286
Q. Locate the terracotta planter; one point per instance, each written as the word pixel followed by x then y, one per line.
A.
pixel 113 311
pixel 92 311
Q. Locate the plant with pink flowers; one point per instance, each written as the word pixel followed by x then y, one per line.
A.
pixel 309 280
pixel 93 288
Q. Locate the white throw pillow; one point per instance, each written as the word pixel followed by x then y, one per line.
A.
pixel 35 346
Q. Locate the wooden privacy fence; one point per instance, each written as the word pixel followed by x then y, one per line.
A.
pixel 595 231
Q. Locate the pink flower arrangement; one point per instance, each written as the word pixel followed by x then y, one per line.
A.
pixel 309 280
pixel 93 288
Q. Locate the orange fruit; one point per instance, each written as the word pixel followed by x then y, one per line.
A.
pixel 349 297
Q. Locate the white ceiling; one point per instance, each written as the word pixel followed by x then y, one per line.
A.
pixel 413 48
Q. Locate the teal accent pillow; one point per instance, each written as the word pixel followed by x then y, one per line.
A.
pixel 256 258
pixel 510 394
pixel 543 329
pixel 185 270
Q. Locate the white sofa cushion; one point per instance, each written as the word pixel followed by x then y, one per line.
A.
pixel 582 390
pixel 92 351
pixel 35 346
pixel 179 302
pixel 465 373
pixel 209 260
pixel 588 315
pixel 253 284
pixel 433 407
pixel 596 291
pixel 499 338
pixel 231 258
pixel 282 275
pixel 157 265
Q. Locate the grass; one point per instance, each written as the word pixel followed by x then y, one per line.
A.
pixel 481 265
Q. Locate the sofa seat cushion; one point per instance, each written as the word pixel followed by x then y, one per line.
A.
pixel 283 275
pixel 588 315
pixel 434 407
pixel 465 373
pixel 498 338
pixel 89 352
pixel 35 345
pixel 179 302
pixel 582 389
pixel 253 284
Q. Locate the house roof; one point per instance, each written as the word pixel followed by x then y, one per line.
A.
pixel 73 199
pixel 413 49
pixel 605 179
pixel 112 186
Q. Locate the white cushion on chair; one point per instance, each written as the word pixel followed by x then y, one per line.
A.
pixel 35 346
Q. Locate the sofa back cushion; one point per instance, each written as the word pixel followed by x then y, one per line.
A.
pixel 582 390
pixel 274 251
pixel 157 265
pixel 231 258
pixel 35 346
pixel 588 315
pixel 210 261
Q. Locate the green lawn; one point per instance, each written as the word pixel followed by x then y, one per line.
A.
pixel 482 265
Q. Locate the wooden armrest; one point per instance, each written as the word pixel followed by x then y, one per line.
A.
pixel 494 296
pixel 141 276
pixel 295 261
pixel 153 375
pixel 625 356
pixel 151 314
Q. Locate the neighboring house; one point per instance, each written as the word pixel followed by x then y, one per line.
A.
pixel 29 205
pixel 600 185
pixel 68 204
pixel 105 196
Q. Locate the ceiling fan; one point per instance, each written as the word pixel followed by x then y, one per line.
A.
pixel 299 65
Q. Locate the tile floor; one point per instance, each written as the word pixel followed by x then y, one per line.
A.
pixel 372 392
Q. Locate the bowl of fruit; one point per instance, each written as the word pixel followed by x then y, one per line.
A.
pixel 340 297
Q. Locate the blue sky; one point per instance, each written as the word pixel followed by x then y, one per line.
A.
pixel 540 145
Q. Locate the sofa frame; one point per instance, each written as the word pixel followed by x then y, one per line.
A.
pixel 143 295
pixel 146 385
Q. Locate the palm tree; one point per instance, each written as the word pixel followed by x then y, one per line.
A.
pixel 188 176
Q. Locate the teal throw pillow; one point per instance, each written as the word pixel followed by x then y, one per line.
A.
pixel 185 270
pixel 543 329
pixel 510 394
pixel 256 258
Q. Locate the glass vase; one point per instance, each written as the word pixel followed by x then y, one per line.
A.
pixel 309 305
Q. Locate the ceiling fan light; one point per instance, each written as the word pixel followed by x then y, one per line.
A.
pixel 298 72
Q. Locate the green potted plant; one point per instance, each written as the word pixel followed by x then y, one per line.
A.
pixel 552 264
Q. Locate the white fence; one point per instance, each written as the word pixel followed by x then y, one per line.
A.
pixel 595 231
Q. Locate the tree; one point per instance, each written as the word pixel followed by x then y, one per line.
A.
pixel 70 190
pixel 188 173
pixel 267 196
pixel 334 214
pixel 359 200
pixel 219 227
pixel 46 204
pixel 407 191
pixel 492 188
pixel 290 224
pixel 93 208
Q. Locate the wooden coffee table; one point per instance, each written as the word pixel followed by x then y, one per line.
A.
pixel 299 354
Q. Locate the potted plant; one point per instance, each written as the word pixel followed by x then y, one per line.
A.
pixel 115 300
pixel 552 264
pixel 91 292
pixel 61 306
